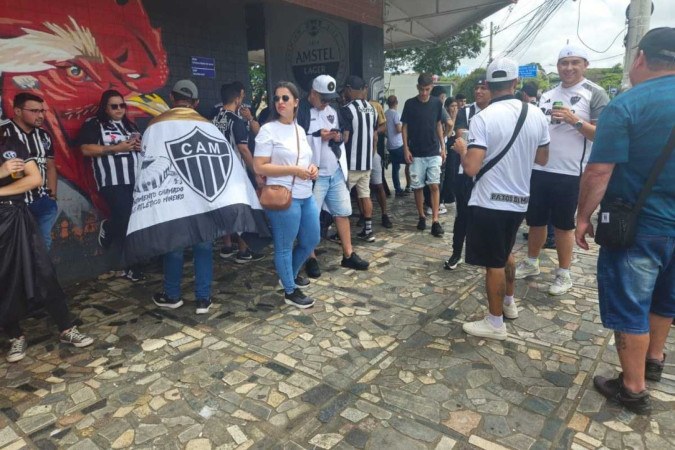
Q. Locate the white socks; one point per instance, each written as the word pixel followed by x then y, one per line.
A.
pixel 495 321
pixel 508 299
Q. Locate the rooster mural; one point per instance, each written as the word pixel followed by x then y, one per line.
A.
pixel 69 54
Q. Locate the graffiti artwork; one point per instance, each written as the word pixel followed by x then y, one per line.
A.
pixel 69 56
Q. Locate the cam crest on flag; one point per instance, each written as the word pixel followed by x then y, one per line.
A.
pixel 204 162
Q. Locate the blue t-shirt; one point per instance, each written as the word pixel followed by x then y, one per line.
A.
pixel 631 132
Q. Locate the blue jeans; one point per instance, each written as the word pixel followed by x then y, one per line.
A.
pixel 636 281
pixel 45 211
pixel 173 271
pixel 396 158
pixel 301 221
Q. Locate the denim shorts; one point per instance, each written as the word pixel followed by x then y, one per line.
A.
pixel 637 281
pixel 425 170
pixel 333 191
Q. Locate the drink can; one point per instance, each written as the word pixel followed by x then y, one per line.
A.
pixel 556 105
pixel 19 174
pixel 465 135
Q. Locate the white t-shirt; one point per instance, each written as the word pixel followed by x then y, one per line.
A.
pixel 324 157
pixel 394 137
pixel 278 141
pixel 506 186
pixel 569 149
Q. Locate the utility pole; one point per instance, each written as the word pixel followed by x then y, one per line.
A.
pixel 639 13
pixel 490 51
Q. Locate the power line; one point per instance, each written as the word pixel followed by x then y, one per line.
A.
pixel 586 45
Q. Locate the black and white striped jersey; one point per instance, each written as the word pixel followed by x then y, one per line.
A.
pixel 40 147
pixel 118 169
pixel 232 126
pixel 360 119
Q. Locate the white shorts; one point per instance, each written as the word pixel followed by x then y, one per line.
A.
pixel 376 172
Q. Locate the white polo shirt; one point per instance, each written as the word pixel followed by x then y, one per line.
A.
pixel 506 186
pixel 569 149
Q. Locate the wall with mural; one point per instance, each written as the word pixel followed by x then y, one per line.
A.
pixel 70 51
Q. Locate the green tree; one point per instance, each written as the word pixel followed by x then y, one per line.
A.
pixel 258 79
pixel 437 59
pixel 468 82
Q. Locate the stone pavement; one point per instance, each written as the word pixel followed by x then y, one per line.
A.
pixel 379 363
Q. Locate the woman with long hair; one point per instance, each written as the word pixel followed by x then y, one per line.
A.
pixel 113 143
pixel 283 156
pixel 27 277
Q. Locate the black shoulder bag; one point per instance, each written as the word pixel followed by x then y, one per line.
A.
pixel 617 220
pixel 516 131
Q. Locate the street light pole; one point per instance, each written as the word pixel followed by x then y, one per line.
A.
pixel 639 13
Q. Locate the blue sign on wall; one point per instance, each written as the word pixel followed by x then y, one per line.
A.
pixel 203 67
pixel 529 71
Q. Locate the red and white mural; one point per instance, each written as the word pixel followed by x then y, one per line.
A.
pixel 69 52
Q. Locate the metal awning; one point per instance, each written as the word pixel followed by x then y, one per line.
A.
pixel 426 22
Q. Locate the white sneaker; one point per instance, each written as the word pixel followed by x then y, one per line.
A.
pixel 561 284
pixel 510 311
pixel 483 328
pixel 526 269
pixel 442 209
pixel 430 212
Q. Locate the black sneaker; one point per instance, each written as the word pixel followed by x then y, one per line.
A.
pixel 298 299
pixel 400 193
pixel 133 275
pixel 422 224
pixel 300 282
pixel 452 262
pixel 386 222
pixel 17 351
pixel 312 268
pixel 203 305
pixel 335 238
pixel 160 299
pixel 408 190
pixel 104 239
pixel 248 256
pixel 354 262
pixel 367 236
pixel 654 368
pixel 614 390
pixel 437 229
pixel 75 338
pixel 227 252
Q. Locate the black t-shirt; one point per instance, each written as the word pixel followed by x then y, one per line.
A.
pixel 10 148
pixel 421 120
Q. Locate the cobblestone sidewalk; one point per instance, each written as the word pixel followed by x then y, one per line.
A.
pixel 379 363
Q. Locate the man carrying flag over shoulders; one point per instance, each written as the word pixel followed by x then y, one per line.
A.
pixel 188 192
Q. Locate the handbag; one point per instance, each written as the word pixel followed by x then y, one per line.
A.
pixel 275 196
pixel 617 220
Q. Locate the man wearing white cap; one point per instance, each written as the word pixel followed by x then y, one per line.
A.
pixel 505 140
pixel 573 107
pixel 324 134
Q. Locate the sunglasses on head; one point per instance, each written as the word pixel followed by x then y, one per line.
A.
pixel 116 106
pixel 278 98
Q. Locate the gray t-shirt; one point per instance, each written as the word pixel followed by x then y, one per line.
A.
pixel 394 138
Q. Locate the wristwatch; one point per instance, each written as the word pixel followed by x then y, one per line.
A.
pixel 578 124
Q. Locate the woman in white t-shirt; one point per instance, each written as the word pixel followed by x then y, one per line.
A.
pixel 283 156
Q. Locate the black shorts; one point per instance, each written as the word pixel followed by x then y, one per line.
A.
pixel 553 196
pixel 490 236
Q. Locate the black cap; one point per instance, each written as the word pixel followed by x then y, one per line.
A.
pixel 530 89
pixel 481 81
pixel 355 82
pixel 659 43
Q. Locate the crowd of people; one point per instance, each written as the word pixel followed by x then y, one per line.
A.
pixel 511 155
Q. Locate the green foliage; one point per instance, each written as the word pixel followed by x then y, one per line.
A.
pixel 606 77
pixel 468 83
pixel 437 59
pixel 258 79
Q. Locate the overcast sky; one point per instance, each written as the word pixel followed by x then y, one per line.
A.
pixel 601 21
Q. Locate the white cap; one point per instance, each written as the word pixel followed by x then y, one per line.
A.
pixel 569 51
pixel 325 85
pixel 502 69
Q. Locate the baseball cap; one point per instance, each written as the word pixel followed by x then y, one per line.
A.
pixel 355 82
pixel 325 86
pixel 186 88
pixel 502 69
pixel 569 51
pixel 481 81
pixel 659 43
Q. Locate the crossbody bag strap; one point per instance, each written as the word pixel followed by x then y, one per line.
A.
pixel 655 172
pixel 516 131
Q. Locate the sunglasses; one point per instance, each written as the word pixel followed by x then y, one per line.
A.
pixel 116 106
pixel 284 98
pixel 35 110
